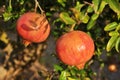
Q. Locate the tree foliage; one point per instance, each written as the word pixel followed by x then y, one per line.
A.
pixel 99 18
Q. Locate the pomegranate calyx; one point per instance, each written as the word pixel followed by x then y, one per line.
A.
pixel 26 43
pixel 80 66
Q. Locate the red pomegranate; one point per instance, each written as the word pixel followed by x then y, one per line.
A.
pixel 33 27
pixel 75 48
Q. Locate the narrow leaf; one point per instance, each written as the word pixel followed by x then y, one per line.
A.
pixel 95 16
pixel 111 43
pixel 110 26
pixel 90 24
pixel 96 4
pixel 114 5
pixel 90 9
pixel 114 33
pixel 117 45
pixel 66 18
pixel 102 6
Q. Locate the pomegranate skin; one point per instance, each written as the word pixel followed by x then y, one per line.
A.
pixel 75 48
pixel 33 27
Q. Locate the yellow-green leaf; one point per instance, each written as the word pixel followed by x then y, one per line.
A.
pixel 95 16
pixel 111 43
pixel 85 19
pixel 66 18
pixel 110 26
pixel 114 33
pixel 79 5
pixel 70 78
pixel 102 6
pixel 63 76
pixel 62 2
pixel 90 24
pixel 96 4
pixel 117 45
pixel 114 5
pixel 90 9
pixel 118 27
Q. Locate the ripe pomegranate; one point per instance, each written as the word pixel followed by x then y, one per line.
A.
pixel 75 48
pixel 33 27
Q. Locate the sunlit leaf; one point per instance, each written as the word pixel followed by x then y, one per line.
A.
pixel 90 9
pixel 85 18
pixel 96 4
pixel 102 6
pixel 117 45
pixel 66 18
pixel 79 6
pixel 71 78
pixel 7 16
pixel 110 26
pixel 114 33
pixel 63 76
pixel 62 2
pixel 111 43
pixel 118 27
pixel 90 24
pixel 87 78
pixel 94 16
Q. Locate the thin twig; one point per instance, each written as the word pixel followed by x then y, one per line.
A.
pixel 37 5
pixel 85 2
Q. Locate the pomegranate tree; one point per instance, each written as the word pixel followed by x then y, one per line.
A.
pixel 33 27
pixel 75 48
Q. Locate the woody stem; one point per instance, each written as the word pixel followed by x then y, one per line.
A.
pixel 37 5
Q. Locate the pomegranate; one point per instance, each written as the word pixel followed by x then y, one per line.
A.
pixel 75 48
pixel 33 27
pixel 112 67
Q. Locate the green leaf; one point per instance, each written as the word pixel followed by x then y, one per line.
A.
pixel 118 27
pixel 62 2
pixel 92 21
pixel 58 68
pixel 7 16
pixel 87 78
pixel 22 2
pixel 114 33
pixel 90 24
pixel 63 76
pixel 66 18
pixel 96 4
pixel 85 18
pixel 115 6
pixel 95 16
pixel 79 6
pixel 71 78
pixel 111 43
pixel 90 9
pixel 102 6
pixel 117 45
pixel 110 26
